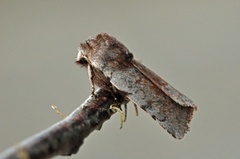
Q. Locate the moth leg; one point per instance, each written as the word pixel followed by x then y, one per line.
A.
pixel 54 107
pixel 90 75
pixel 99 127
pixel 112 93
pixel 115 108
pixel 125 111
pixel 22 153
pixel 136 108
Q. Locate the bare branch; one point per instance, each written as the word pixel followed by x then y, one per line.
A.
pixel 66 136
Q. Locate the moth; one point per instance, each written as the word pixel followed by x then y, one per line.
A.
pixel 111 66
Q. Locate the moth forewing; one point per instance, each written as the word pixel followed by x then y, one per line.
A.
pixel 177 96
pixel 142 91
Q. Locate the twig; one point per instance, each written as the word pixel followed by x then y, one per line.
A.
pixel 66 136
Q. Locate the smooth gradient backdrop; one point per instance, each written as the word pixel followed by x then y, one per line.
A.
pixel 192 44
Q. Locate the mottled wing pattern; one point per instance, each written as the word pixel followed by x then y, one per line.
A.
pixel 171 115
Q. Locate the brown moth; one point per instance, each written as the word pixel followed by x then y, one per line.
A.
pixel 111 66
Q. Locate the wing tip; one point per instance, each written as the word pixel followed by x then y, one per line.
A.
pixel 178 127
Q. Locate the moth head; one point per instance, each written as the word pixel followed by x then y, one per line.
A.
pixel 102 49
pixel 81 58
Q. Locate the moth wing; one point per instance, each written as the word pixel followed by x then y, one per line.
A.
pixel 140 88
pixel 177 96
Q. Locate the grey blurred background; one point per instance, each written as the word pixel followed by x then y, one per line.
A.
pixel 194 45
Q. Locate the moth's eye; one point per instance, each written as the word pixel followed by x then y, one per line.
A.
pixel 83 61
